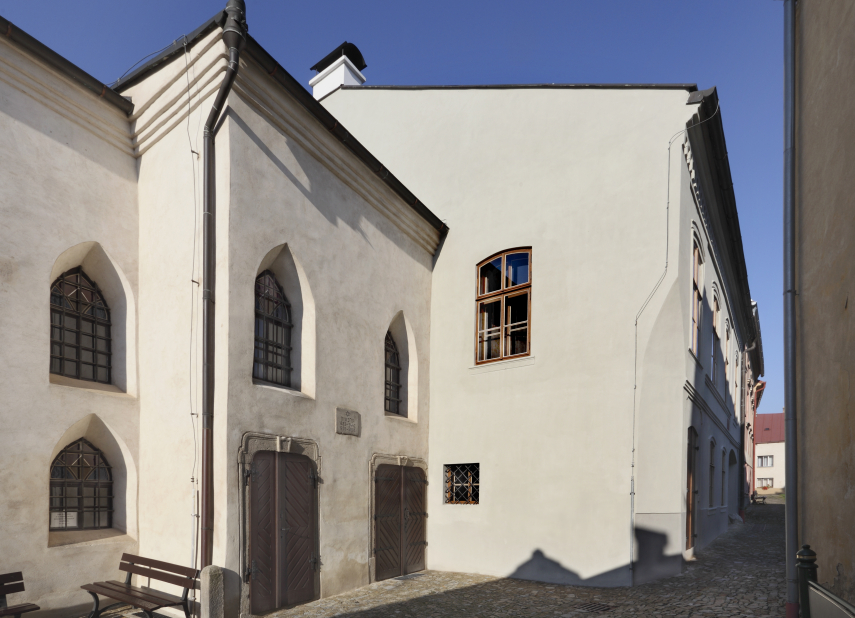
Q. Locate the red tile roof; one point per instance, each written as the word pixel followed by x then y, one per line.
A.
pixel 769 428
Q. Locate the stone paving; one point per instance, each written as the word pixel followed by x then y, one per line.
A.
pixel 740 574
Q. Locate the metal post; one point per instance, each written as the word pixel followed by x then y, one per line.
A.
pixel 790 307
pixel 807 572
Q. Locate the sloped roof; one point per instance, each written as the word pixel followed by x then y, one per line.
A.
pixel 769 428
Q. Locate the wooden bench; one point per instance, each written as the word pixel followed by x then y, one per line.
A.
pixel 146 599
pixel 758 499
pixel 11 583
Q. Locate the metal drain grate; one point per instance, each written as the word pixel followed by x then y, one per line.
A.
pixel 411 576
pixel 594 608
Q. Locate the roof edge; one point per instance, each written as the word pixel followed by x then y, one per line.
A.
pixel 64 66
pixel 686 87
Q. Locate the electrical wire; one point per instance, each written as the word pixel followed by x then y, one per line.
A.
pixel 135 64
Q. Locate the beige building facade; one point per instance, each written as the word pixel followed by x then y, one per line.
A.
pixel 624 319
pixel 825 254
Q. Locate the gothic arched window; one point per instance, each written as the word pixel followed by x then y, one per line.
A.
pixel 80 337
pixel 393 376
pixel 272 361
pixel 81 489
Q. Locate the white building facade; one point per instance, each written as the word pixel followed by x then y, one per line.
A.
pixel 548 362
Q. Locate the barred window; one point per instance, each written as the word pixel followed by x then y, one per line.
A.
pixel 80 337
pixel 503 306
pixel 393 376
pixel 272 361
pixel 81 489
pixel 461 483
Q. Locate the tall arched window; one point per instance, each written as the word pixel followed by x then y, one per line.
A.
pixel 697 308
pixel 723 478
pixel 727 376
pixel 716 339
pixel 272 360
pixel 393 376
pixel 81 489
pixel 80 337
pixel 712 472
pixel 503 306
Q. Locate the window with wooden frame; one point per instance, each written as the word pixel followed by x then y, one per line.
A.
pixel 503 306
pixel 712 473
pixel 697 307
pixel 272 359
pixel 81 489
pixel 393 376
pixel 716 339
pixel 461 483
pixel 80 337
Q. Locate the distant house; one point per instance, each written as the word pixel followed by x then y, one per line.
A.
pixel 769 453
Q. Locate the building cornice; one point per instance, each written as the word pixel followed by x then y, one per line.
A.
pixel 696 398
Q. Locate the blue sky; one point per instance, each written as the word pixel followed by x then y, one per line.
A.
pixel 736 45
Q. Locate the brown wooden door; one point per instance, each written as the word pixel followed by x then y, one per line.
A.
pixel 691 489
pixel 399 521
pixel 415 512
pixel 282 531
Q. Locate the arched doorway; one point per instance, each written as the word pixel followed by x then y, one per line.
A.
pixel 283 530
pixel 691 487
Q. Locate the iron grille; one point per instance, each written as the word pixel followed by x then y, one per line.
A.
pixel 81 489
pixel 393 376
pixel 461 483
pixel 272 360
pixel 593 608
pixel 80 338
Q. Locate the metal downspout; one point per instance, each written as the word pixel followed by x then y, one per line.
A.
pixel 792 533
pixel 234 36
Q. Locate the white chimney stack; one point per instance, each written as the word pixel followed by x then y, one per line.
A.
pixel 341 67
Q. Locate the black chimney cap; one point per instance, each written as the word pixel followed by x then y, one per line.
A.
pixel 345 49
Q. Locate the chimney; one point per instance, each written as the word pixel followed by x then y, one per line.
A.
pixel 341 67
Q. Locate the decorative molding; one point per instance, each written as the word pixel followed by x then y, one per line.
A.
pixel 698 400
pixel 378 459
pixel 719 399
pixel 251 443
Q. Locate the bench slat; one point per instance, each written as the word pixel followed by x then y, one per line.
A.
pixel 162 566
pixel 183 582
pixel 163 597
pixel 7 578
pixel 121 596
pixel 19 609
pixel 11 588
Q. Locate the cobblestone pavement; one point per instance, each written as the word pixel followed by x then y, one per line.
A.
pixel 740 574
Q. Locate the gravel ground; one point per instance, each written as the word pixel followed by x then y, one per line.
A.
pixel 740 574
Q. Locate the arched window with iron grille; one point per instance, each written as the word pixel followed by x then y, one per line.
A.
pixel 81 489
pixel 393 376
pixel 272 360
pixel 80 330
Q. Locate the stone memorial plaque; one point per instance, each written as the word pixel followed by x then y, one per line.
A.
pixel 347 422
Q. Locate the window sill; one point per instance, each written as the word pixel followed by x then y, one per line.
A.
pixel 511 363
pixel 57 538
pixel 85 385
pixel 282 389
pixel 695 358
pixel 400 418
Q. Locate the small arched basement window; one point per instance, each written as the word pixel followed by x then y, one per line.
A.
pixel 80 330
pixel 393 376
pixel 272 359
pixel 81 489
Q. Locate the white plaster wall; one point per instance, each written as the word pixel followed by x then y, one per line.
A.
pixel 775 472
pixel 293 184
pixel 68 181
pixel 581 177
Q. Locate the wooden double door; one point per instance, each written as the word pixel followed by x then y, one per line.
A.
pixel 283 531
pixel 400 509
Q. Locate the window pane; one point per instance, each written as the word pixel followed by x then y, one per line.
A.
pixel 489 327
pixel 87 372
pixel 516 324
pixel 490 277
pixel 516 269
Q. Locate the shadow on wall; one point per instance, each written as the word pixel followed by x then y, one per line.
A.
pixel 652 564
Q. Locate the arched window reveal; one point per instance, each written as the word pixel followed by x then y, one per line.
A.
pixel 716 339
pixel 80 337
pixel 393 376
pixel 697 307
pixel 504 306
pixel 81 489
pixel 272 360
